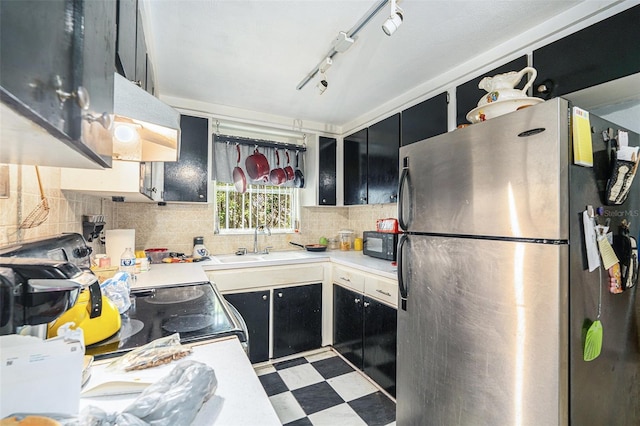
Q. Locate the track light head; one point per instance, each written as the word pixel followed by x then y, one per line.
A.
pixel 394 21
pixel 322 84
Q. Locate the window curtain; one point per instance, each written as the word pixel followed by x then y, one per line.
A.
pixel 225 157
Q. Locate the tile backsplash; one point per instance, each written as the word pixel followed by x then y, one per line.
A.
pixel 172 226
pixel 65 209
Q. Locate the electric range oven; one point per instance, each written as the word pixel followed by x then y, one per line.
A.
pixel 197 311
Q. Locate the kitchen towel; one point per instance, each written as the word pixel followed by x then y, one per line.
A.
pixel 117 240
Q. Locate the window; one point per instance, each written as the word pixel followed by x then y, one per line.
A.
pixel 273 206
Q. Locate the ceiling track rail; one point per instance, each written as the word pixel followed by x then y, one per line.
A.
pixel 351 33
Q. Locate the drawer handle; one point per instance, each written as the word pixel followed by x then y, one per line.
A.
pixel 345 279
pixel 356 300
pixel 366 304
pixel 383 292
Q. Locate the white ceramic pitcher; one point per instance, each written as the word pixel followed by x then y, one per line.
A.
pixel 501 87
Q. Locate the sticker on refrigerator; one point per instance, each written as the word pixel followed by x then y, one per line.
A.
pixel 582 143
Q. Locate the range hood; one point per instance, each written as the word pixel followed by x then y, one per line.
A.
pixel 144 127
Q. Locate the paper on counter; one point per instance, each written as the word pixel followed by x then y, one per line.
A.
pixel 40 376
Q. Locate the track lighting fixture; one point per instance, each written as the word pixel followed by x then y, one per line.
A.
pixel 322 84
pixel 326 64
pixel 394 21
pixel 344 41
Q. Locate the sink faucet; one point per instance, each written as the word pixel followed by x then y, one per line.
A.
pixel 265 230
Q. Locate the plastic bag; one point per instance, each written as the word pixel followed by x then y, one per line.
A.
pixel 117 289
pixel 173 400
pixel 160 351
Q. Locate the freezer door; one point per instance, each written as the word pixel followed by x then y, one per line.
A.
pixel 503 177
pixel 483 339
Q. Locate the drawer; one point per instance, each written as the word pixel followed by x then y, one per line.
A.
pixel 251 278
pixel 348 278
pixel 381 289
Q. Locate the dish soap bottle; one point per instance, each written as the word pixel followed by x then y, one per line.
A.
pixel 128 261
pixel 199 250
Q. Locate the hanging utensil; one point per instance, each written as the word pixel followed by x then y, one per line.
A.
pixel 288 169
pixel 277 176
pixel 40 214
pixel 239 179
pixel 593 339
pixel 257 166
pixel 298 179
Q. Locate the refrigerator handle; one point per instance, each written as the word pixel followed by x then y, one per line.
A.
pixel 403 178
pixel 402 287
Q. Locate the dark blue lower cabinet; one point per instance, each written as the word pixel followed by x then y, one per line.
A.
pixel 254 308
pixel 364 332
pixel 297 319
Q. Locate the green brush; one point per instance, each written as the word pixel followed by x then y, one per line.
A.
pixel 593 339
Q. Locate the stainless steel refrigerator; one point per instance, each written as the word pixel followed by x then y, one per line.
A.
pixel 495 290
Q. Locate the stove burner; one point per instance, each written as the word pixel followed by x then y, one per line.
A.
pixel 129 328
pixel 174 295
pixel 188 323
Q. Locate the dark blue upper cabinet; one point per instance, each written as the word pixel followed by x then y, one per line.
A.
pixel 602 52
pixel 186 180
pixel 382 152
pixel 327 171
pixel 56 70
pixel 424 120
pixel 355 168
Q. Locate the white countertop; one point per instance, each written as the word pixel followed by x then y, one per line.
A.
pixel 239 398
pixel 354 259
pixel 165 274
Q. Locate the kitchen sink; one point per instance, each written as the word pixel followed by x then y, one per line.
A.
pixel 238 259
pixel 276 256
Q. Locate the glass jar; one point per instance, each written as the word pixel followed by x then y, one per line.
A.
pixel 334 244
pixel 346 239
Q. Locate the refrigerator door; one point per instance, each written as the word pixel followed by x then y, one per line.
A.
pixel 613 377
pixel 503 177
pixel 483 339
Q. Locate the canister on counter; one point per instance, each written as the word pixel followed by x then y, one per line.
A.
pixel 346 239
pixel 357 244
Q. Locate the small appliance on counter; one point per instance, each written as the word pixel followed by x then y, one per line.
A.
pixel 382 245
pixel 50 280
pixel 34 292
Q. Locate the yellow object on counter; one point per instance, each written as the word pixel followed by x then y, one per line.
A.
pixel 357 244
pixel 141 254
pixel 94 329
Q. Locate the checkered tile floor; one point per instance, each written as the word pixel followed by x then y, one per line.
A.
pixel 322 389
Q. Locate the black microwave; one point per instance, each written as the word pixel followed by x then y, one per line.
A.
pixel 382 245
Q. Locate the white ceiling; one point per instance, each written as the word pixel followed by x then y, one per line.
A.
pixel 251 54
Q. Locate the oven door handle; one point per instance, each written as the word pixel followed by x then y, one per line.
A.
pixel 143 293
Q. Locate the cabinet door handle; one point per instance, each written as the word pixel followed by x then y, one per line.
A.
pixel 345 279
pixel 366 304
pixel 356 300
pixel 104 119
pixel 279 294
pixel 265 297
pixel 383 292
pixel 81 94
pixel 200 196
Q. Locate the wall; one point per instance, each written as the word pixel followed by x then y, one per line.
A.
pixel 65 209
pixel 172 226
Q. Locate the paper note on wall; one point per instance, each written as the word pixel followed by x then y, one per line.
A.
pixel 582 143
